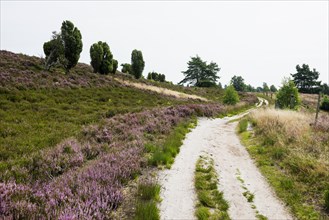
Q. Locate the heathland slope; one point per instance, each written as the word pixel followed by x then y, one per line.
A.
pixel 69 143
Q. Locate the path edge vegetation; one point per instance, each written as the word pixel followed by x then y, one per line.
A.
pixel 211 203
pixel 162 156
pixel 283 184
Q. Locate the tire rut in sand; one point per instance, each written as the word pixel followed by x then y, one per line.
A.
pixel 217 137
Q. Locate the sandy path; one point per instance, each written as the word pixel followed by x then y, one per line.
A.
pixel 161 90
pixel 218 138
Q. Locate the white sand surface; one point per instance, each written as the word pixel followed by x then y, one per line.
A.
pixel 217 137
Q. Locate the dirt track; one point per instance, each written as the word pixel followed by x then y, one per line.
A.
pixel 217 137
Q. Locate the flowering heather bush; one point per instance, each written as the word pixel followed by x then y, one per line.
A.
pixel 65 186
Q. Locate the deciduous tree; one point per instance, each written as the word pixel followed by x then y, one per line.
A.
pixel 238 83
pixel 287 96
pixel 231 96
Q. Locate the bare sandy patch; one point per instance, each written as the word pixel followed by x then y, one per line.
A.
pixel 160 90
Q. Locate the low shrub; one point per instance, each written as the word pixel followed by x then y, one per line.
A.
pixel 231 96
pixel 325 104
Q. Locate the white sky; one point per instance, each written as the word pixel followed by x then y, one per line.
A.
pixel 262 41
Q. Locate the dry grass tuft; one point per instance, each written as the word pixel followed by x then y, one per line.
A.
pixel 294 131
pixel 309 100
pixel 323 123
pixel 276 123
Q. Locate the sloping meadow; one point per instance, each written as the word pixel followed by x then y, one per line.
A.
pixel 83 178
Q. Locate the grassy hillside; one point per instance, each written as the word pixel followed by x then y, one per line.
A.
pixel 69 143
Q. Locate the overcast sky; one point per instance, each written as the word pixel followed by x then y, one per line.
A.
pixel 262 41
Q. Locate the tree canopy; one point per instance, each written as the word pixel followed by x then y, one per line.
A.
pixel 101 58
pixel 200 74
pixel 250 88
pixel 54 51
pixel 137 63
pixel 287 96
pixel 72 43
pixel 64 47
pixel 231 96
pixel 266 89
pixel 115 66
pixel 273 88
pixel 306 79
pixel 126 68
pixel 325 88
pixel 238 83
pixel 156 76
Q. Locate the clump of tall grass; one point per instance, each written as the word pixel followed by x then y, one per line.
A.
pixel 281 125
pixel 322 123
pixel 148 190
pixel 243 125
pixel 148 195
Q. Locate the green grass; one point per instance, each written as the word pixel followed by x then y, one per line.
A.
pixel 202 213
pixel 261 217
pixel 211 203
pixel 165 154
pixel 243 125
pixel 326 199
pixel 287 187
pixel 32 120
pixel 149 191
pixel 147 210
pixel 249 196
pixel 148 194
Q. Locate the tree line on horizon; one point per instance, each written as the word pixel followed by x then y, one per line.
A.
pixel 65 47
